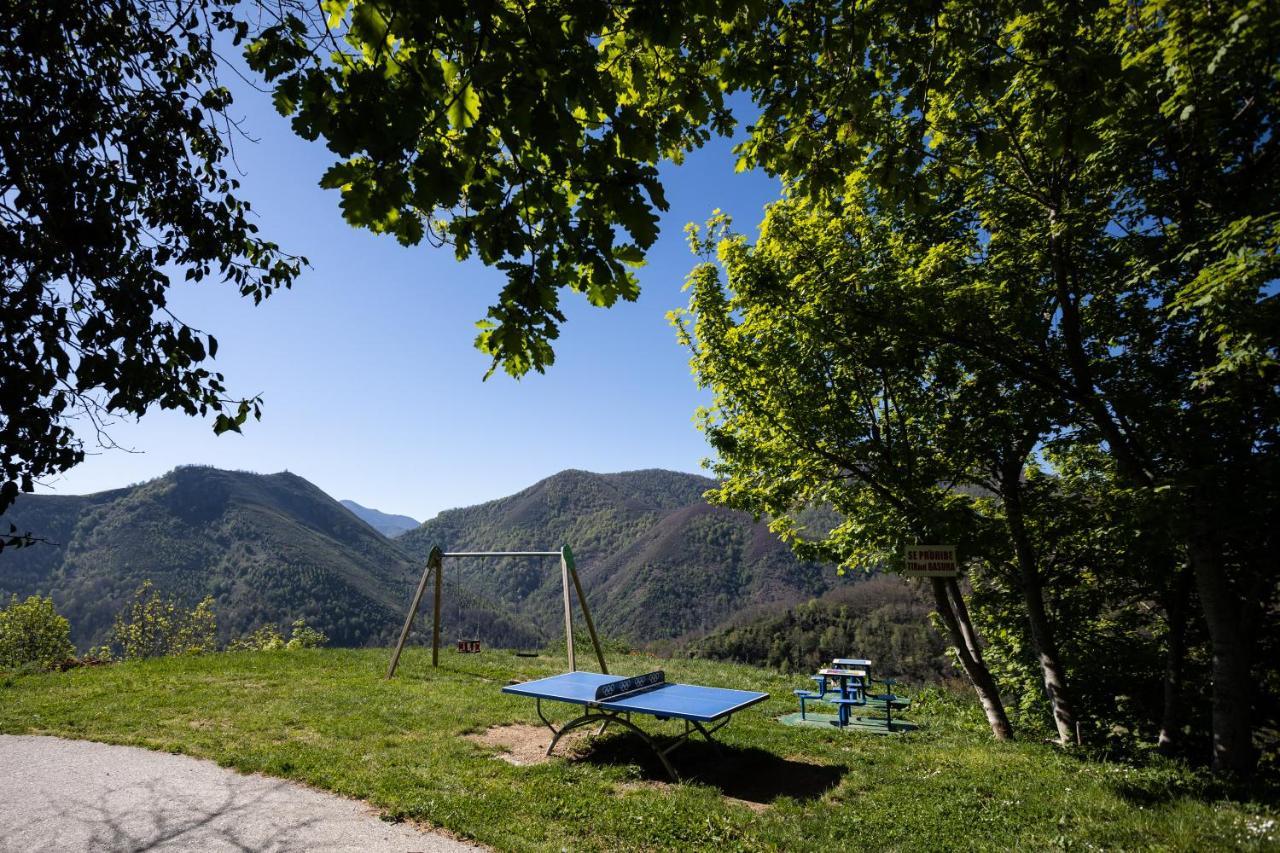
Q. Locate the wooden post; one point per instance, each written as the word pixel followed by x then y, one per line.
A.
pixel 568 613
pixel 433 561
pixel 567 556
pixel 435 624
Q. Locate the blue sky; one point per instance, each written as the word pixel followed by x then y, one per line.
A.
pixel 372 387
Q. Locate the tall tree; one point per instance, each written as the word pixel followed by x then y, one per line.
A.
pixel 1102 152
pixel 113 141
pixel 1199 196
pixel 811 409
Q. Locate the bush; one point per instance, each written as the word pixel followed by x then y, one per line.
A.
pixel 33 635
pixel 157 626
pixel 265 639
pixel 98 655
pixel 305 637
pixel 268 638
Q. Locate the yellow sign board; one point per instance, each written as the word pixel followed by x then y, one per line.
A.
pixel 931 561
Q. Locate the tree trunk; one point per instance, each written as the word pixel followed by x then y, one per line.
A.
pixel 979 676
pixel 1175 654
pixel 1042 637
pixel 963 621
pixel 1232 693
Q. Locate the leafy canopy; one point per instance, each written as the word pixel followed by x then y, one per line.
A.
pixel 113 142
pixel 527 135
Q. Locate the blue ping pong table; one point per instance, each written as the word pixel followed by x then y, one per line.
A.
pixel 608 699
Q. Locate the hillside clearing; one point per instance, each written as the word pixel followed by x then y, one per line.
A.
pixel 327 718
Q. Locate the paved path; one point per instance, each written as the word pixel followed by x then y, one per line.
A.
pixel 70 795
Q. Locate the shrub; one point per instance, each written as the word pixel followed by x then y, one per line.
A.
pixel 98 655
pixel 153 626
pixel 268 638
pixel 305 637
pixel 264 639
pixel 32 634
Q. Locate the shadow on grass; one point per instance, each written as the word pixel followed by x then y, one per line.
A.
pixel 747 774
pixel 1149 796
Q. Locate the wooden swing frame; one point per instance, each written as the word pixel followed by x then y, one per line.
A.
pixel 435 564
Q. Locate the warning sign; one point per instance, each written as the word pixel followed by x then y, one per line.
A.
pixel 932 561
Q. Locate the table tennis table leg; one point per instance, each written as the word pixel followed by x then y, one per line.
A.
pixel 591 717
pixel 706 733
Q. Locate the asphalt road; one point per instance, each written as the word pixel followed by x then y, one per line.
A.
pixel 68 795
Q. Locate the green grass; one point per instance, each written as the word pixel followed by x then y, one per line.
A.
pixel 329 719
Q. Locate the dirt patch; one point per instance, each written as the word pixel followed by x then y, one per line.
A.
pixel 522 744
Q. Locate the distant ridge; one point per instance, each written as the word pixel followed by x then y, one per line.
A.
pixel 387 524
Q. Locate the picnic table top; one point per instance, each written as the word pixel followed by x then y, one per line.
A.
pixel 843 673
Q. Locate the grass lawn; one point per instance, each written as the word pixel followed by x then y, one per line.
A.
pixel 328 718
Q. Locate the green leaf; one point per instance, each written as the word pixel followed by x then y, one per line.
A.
pixel 335 11
pixel 464 111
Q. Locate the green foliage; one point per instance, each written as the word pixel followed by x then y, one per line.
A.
pixel 32 634
pixel 350 731
pixel 114 175
pixel 99 654
pixel 492 127
pixel 527 136
pixel 154 626
pixel 1112 579
pixel 267 638
pixel 657 561
pixel 303 636
pixel 1025 206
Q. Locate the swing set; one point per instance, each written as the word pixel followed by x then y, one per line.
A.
pixel 435 566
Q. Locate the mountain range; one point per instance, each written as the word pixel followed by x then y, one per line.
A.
pixel 267 548
pixel 657 562
pixel 385 523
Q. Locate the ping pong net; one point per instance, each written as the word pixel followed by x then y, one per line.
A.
pixel 630 686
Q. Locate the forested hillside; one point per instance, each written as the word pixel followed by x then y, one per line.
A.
pixel 657 562
pixel 884 619
pixel 267 548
